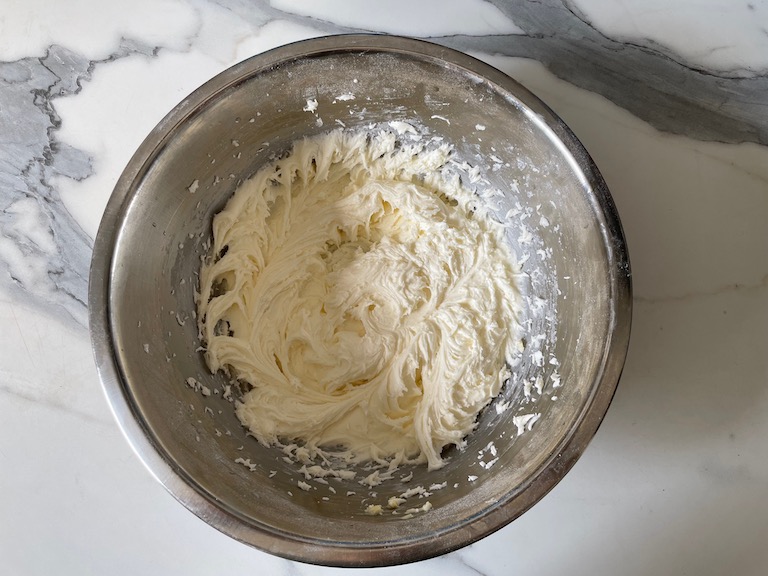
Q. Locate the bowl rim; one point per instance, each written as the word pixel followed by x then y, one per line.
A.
pixel 183 488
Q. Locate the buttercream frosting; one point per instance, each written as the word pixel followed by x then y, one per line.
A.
pixel 365 297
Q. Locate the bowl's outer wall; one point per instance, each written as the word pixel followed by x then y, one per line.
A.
pixel 153 234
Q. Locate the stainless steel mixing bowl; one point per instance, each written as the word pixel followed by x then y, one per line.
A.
pixel 153 233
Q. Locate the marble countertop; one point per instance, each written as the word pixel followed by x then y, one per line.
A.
pixel 671 100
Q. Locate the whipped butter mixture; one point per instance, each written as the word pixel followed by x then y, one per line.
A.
pixel 364 296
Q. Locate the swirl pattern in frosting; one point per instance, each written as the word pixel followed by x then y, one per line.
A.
pixel 364 295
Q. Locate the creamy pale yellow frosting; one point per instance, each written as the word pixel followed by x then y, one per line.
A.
pixel 365 297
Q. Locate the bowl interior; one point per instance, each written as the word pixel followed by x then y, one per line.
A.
pixel 574 283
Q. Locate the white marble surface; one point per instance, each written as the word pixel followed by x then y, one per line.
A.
pixel 671 99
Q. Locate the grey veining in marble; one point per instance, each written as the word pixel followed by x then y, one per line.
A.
pixel 643 79
pixel 46 255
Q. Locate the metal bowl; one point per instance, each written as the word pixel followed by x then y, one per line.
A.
pixel 153 233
